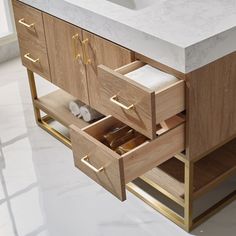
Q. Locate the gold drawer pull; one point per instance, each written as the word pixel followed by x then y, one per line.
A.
pixel 75 39
pixel 22 22
pixel 85 161
pixel 28 57
pixel 114 99
pixel 87 60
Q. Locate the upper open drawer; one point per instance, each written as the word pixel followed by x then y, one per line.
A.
pixel 112 170
pixel 136 105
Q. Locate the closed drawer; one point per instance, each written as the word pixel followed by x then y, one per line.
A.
pixel 35 60
pixel 114 171
pixel 139 107
pixel 29 25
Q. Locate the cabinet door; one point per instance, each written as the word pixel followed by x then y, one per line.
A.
pixel 101 51
pixel 64 50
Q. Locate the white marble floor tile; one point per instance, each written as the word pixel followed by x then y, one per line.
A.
pixel 42 194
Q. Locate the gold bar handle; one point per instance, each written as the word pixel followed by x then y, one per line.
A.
pixel 85 160
pixel 28 57
pixel 75 39
pixel 114 99
pixel 22 22
pixel 87 60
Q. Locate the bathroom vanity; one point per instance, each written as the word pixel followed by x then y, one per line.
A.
pixel 86 48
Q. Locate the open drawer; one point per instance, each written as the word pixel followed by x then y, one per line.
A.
pixel 136 105
pixel 114 171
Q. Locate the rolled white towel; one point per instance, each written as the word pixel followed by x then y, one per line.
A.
pixel 75 106
pixel 151 77
pixel 89 114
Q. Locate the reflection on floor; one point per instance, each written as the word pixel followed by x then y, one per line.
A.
pixel 42 194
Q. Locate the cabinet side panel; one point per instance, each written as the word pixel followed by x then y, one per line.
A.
pixel 211 106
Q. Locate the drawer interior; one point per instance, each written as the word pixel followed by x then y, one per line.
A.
pixel 136 65
pixel 100 128
pixel 113 170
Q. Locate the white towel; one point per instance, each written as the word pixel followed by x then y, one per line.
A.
pixel 151 77
pixel 75 106
pixel 89 114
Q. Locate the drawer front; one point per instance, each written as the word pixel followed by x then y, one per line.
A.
pixel 141 116
pixel 113 171
pixel 136 105
pixel 112 176
pixel 35 60
pixel 29 25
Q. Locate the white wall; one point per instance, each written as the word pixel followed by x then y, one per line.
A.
pixel 8 40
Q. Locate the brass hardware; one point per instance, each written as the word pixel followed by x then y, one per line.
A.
pixel 114 100
pixel 28 57
pixel 75 39
pixel 86 58
pixel 29 26
pixel 85 161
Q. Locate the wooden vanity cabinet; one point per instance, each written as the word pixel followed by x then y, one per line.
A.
pixel 74 55
pixel 178 159
pixel 65 56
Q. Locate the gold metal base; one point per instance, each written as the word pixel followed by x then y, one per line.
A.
pixel 173 216
pixel 187 222
pixel 59 136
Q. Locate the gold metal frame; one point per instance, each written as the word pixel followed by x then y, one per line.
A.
pixel 44 122
pixel 187 222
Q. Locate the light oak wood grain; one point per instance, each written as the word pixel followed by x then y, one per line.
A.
pixel 120 170
pixel 56 104
pixel 170 101
pixel 146 157
pixel 112 178
pixel 165 181
pixel 42 66
pixel 102 51
pixel 129 92
pixel 151 107
pixel 66 72
pixel 211 106
pixel 209 171
pixel 34 37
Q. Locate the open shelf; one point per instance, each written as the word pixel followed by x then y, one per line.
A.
pixel 209 172
pixel 56 104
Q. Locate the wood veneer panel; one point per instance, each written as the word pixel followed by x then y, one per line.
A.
pixel 63 44
pixel 211 108
pixel 208 172
pixel 102 51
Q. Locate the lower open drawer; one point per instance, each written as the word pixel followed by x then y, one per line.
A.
pixel 114 171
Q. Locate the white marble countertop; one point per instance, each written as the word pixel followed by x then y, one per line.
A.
pixel 183 34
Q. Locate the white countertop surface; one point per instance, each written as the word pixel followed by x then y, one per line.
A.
pixel 183 34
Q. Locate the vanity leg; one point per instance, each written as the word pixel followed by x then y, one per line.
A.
pixel 188 207
pixel 34 95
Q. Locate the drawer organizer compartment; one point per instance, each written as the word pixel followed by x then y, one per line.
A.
pixel 114 171
pixel 140 107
